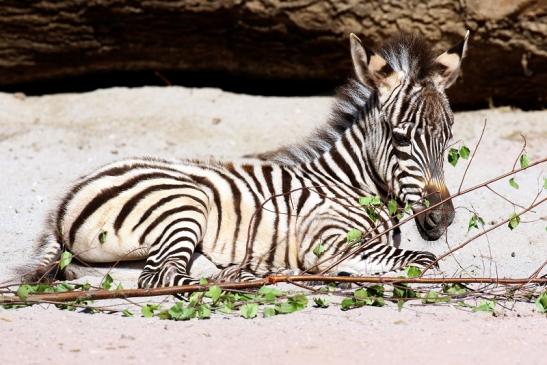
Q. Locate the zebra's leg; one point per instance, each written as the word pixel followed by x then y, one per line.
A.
pixel 379 258
pixel 234 273
pixel 169 255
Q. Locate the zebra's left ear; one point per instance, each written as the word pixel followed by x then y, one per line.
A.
pixel 449 64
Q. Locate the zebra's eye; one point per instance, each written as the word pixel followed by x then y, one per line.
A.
pixel 401 139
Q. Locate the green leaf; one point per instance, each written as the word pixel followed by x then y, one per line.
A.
pixel 474 222
pixel 127 313
pixel 541 302
pixel 102 237
pixel 513 183
pixel 464 152
pixel 426 203
pixel 545 183
pixel 63 287
pixel 299 301
pixel 214 293
pixel 454 289
pixel 360 294
pixel 106 283
pixel 203 281
pixel 249 310
pixel 269 293
pixel 376 291
pixel 403 291
pixel 23 291
pixel 400 304
pixel 147 310
pixel 514 221
pixel 392 206
pixel 485 306
pixel 524 161
pixel 354 235
pixel 412 272
pixel 368 201
pixel 319 250
pixel 408 208
pixel 204 312
pixel 347 303
pixel 269 312
pixel 434 297
pixel 453 156
pixel 66 259
pixel 321 302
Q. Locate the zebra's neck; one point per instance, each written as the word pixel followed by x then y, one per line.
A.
pixel 359 157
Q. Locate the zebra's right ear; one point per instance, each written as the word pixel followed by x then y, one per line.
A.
pixel 370 68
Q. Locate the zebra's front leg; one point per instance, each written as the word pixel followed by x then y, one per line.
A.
pixel 168 260
pixel 379 258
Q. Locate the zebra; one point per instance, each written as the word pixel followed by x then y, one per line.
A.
pixel 252 217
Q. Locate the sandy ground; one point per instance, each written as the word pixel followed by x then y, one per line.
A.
pixel 45 142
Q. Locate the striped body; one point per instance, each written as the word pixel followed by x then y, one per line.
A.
pixel 386 137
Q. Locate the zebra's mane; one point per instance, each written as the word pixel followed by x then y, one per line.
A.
pixel 404 52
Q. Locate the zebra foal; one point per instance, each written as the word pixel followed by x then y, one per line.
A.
pixel 386 137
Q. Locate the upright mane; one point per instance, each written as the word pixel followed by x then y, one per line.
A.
pixel 405 52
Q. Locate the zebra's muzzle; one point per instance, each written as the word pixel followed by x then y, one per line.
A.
pixel 433 223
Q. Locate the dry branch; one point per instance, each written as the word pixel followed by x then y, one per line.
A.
pixel 269 280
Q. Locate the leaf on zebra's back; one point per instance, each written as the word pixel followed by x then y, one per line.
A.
pixel 513 183
pixel 249 310
pixel 514 221
pixel 66 259
pixel 353 235
pixel 464 152
pixel 453 156
pixel 524 161
pixel 102 237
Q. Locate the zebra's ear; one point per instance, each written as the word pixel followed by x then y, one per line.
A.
pixel 449 64
pixel 370 68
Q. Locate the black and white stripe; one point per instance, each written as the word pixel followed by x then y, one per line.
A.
pixel 266 216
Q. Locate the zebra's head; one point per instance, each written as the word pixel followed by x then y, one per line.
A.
pixel 414 121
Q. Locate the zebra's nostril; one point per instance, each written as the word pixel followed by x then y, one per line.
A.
pixel 433 219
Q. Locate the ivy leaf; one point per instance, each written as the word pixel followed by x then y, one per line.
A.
pixel 545 183
pixel 147 310
pixel 453 156
pixel 360 294
pixel 524 161
pixel 269 312
pixel 214 293
pixel 269 293
pixel 204 312
pixel 347 303
pixel 392 206
pixel 319 250
pixel 514 221
pixel 541 302
pixel 320 302
pixel 474 222
pixel 426 203
pixel 513 183
pixel 66 259
pixel 412 272
pixel 203 281
pixel 102 237
pixel 127 313
pixel 464 152
pixel 454 289
pixel 368 201
pixel 23 291
pixel 106 283
pixel 249 310
pixel 485 306
pixel 353 235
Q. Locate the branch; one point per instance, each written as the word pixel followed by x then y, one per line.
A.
pixel 269 280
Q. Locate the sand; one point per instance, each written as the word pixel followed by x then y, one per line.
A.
pixel 45 142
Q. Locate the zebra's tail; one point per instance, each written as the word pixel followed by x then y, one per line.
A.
pixel 43 264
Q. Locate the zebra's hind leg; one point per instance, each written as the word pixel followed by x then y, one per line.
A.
pixel 380 258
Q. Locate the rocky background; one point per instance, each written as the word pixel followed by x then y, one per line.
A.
pixel 269 46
